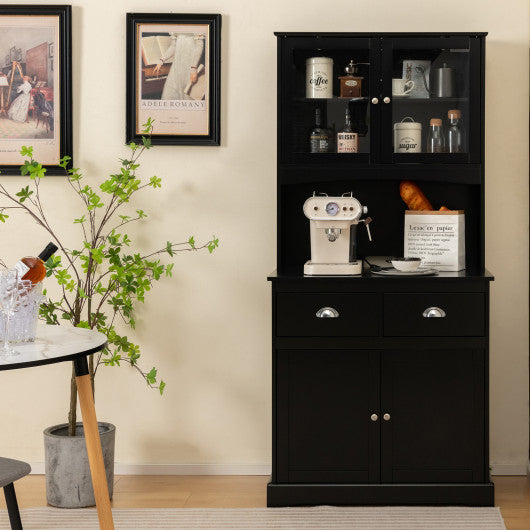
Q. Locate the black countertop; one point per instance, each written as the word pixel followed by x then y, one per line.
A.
pixel 466 274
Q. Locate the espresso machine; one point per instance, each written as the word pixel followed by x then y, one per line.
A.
pixel 333 225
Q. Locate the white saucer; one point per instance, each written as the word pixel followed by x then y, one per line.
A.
pixel 390 271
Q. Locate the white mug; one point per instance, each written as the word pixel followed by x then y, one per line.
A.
pixel 402 87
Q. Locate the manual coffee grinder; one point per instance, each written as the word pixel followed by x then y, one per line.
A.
pixel 333 225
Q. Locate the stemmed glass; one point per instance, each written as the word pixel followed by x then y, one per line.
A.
pixel 9 297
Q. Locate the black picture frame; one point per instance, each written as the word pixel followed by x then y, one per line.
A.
pixel 210 132
pixel 62 124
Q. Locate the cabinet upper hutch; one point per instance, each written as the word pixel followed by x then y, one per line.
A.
pixel 451 179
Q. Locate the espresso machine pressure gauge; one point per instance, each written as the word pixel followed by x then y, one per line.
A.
pixel 332 208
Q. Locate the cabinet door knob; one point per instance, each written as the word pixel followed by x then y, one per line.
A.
pixel 386 416
pixel 374 417
pixel 375 101
pixel 386 99
pixel 327 312
pixel 434 312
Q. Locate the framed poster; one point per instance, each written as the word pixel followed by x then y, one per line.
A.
pixel 35 85
pixel 173 77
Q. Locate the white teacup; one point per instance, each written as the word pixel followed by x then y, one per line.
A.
pixel 402 87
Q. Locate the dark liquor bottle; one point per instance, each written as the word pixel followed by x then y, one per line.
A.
pixel 347 140
pixel 319 138
pixel 31 268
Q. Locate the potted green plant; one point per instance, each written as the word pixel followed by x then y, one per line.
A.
pixel 100 282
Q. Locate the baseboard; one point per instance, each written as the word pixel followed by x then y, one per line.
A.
pixel 37 468
pixel 509 469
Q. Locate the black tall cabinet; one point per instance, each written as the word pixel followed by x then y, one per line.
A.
pixel 380 405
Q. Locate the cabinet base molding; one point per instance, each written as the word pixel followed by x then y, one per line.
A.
pixel 380 494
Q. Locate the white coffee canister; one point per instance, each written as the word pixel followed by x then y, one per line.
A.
pixel 407 136
pixel 319 77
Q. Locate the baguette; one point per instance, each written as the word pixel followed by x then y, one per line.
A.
pixel 413 196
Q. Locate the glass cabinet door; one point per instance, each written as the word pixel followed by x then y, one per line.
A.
pixel 431 104
pixel 325 111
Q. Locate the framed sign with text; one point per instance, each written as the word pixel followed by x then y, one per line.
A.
pixel 173 77
pixel 35 85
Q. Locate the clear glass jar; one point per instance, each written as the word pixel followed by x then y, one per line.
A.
pixel 435 139
pixel 455 132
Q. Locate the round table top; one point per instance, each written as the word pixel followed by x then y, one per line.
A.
pixel 54 344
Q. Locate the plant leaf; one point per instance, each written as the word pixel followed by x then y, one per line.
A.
pixel 151 376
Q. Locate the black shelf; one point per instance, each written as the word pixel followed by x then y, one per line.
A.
pixel 334 99
pixel 430 158
pixel 429 100
pixel 399 158
pixel 336 168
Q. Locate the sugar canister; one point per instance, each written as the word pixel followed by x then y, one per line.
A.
pixel 407 136
pixel 319 77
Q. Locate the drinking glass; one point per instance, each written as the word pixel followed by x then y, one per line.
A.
pixel 9 297
pixel 24 314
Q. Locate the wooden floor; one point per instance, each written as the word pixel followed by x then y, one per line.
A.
pixel 512 494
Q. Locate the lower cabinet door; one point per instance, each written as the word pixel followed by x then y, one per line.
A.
pixel 433 424
pixel 327 416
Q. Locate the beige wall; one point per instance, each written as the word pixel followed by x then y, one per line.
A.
pixel 208 329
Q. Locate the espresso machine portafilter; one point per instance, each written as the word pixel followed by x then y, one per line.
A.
pixel 333 225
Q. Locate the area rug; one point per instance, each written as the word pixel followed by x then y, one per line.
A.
pixel 314 518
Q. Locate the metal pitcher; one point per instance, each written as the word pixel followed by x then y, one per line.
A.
pixel 443 82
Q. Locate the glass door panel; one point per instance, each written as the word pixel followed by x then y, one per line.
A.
pixel 327 117
pixel 430 85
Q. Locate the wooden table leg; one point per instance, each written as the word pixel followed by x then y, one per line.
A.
pixel 93 444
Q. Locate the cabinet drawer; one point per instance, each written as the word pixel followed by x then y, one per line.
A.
pixel 462 314
pixel 296 315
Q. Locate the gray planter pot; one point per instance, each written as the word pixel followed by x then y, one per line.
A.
pixel 68 480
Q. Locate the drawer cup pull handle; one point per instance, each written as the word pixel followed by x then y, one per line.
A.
pixel 327 312
pixel 434 312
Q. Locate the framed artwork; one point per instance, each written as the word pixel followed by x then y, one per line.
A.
pixel 174 77
pixel 35 85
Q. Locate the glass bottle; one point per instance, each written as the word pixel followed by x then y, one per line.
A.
pixel 455 132
pixel 34 268
pixel 319 138
pixel 435 139
pixel 347 140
